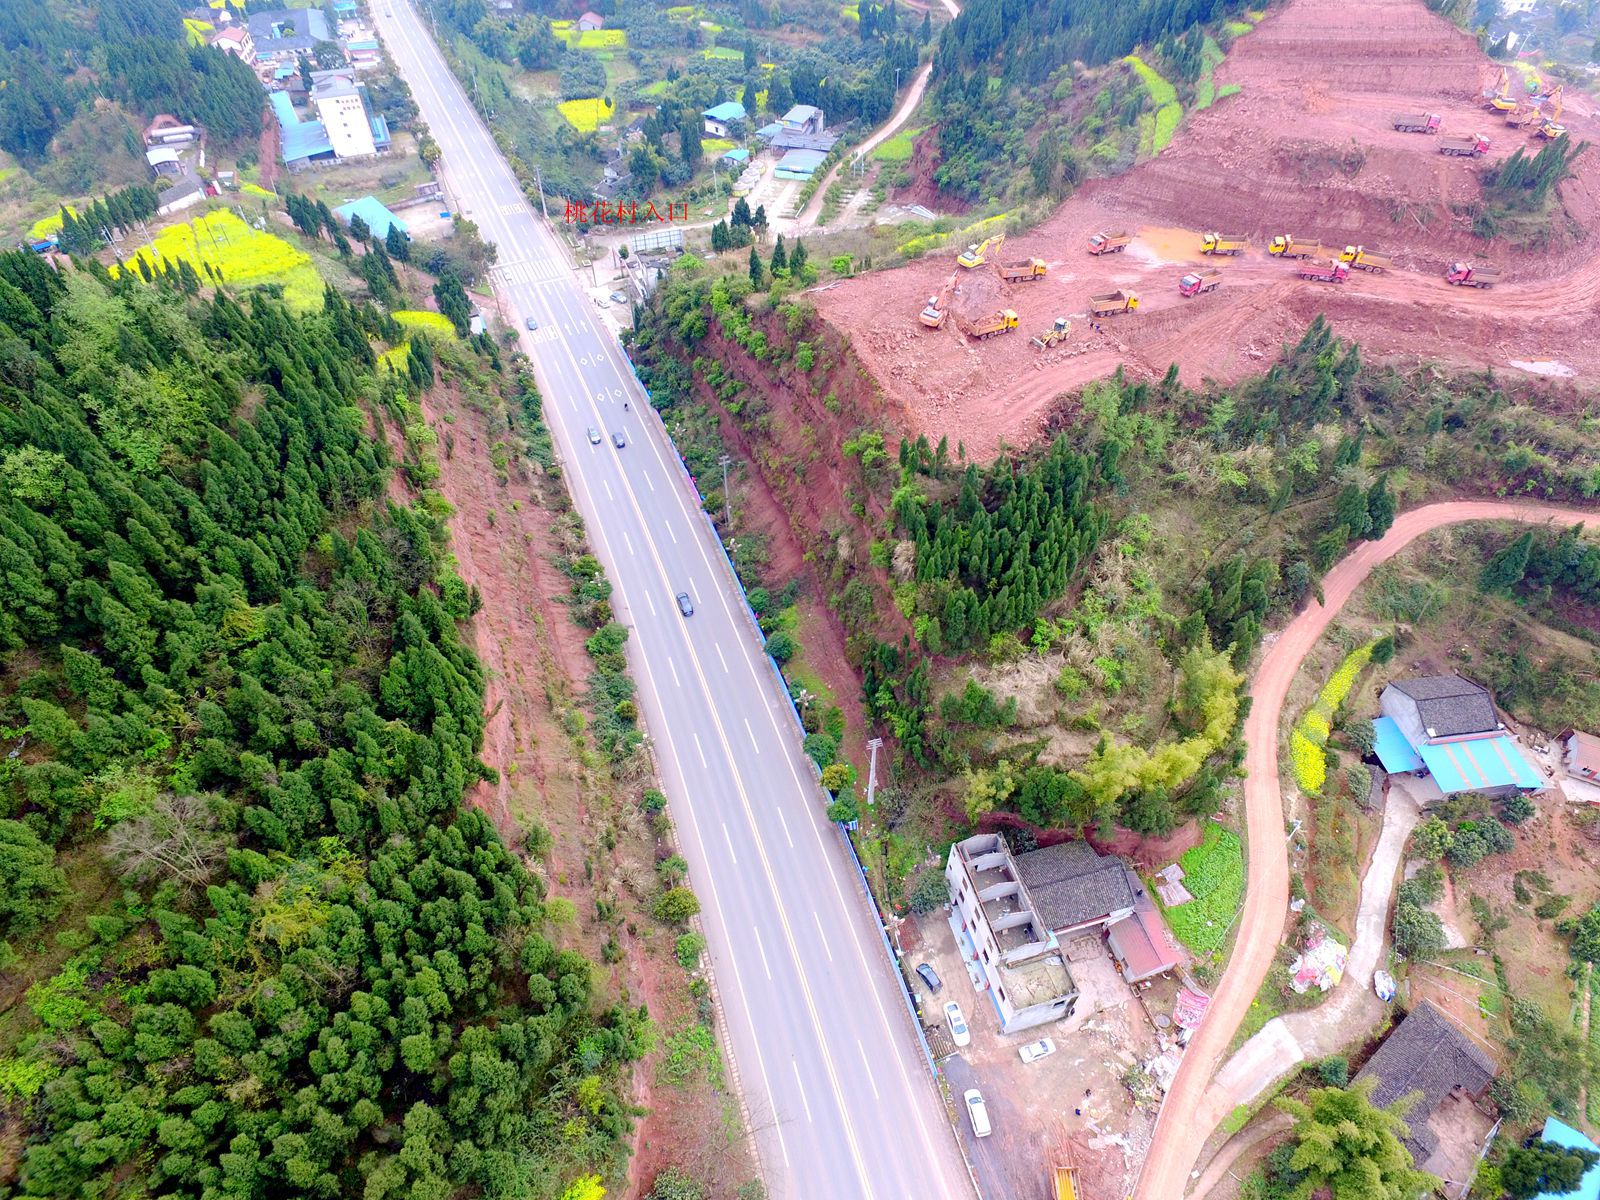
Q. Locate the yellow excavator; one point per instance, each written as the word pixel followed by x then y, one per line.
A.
pixel 977 254
pixel 1499 97
pixel 938 307
pixel 1552 128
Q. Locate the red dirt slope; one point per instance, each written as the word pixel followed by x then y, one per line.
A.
pixel 1306 148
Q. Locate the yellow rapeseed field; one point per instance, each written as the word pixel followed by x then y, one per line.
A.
pixel 246 257
pixel 586 115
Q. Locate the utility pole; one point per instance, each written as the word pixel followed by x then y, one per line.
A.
pixel 872 768
pixel 727 514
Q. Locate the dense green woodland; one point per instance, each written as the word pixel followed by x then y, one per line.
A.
pixel 233 691
pixel 1002 63
pixel 56 63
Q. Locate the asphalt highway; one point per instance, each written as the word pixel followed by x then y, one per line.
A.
pixel 840 1101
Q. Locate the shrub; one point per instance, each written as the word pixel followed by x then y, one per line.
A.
pixel 1334 1070
pixel 780 647
pixel 676 905
pixel 821 748
pixel 929 891
pixel 688 949
pixel 673 1184
pixel 1517 809
pixel 837 776
pixel 1417 932
pixel 845 810
pixel 653 801
pixel 1431 839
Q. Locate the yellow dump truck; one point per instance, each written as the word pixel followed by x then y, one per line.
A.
pixel 1223 243
pixel 1065 1180
pixel 1112 303
pixel 1021 270
pixel 1363 259
pixel 1003 321
pixel 1286 245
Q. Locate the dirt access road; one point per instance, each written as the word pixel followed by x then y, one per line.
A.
pixel 802 221
pixel 1193 1108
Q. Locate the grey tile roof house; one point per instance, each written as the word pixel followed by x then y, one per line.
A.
pixel 1427 1053
pixel 1073 886
pixel 1447 706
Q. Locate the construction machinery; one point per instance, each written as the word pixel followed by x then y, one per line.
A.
pixel 976 254
pixel 1055 335
pixel 1022 270
pixel 1333 272
pixel 1109 243
pixel 937 308
pixel 1112 303
pixel 1218 243
pixel 1286 245
pixel 1552 128
pixel 1417 122
pixel 1499 97
pixel 1196 282
pixel 1466 275
pixel 1363 259
pixel 1003 321
pixel 1064 1181
pixel 1464 147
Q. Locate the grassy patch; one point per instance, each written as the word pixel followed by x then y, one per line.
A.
pixel 196 30
pixel 1165 99
pixel 717 145
pixel 899 148
pixel 658 88
pixel 586 115
pixel 1238 28
pixel 1214 875
pixel 726 53
pixel 246 257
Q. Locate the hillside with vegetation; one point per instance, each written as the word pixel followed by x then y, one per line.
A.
pixel 561 97
pixel 1029 99
pixel 252 941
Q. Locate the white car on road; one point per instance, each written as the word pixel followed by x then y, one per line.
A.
pixel 959 1033
pixel 1034 1051
pixel 977 1113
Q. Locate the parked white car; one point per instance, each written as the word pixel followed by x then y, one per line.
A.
pixel 959 1033
pixel 977 1113
pixel 1034 1051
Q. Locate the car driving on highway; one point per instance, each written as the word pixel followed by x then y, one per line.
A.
pixel 685 605
pixel 618 440
pixel 959 1033
pixel 594 436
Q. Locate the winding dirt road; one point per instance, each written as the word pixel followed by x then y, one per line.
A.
pixel 1189 1113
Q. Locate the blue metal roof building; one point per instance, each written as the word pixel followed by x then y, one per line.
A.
pixel 371 210
pixel 728 110
pixel 301 140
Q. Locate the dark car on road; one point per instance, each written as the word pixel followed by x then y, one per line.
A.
pixel 685 605
pixel 618 440
pixel 930 977
pixel 532 323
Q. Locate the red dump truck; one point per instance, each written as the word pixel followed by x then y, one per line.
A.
pixel 1467 275
pixel 1417 122
pixel 1109 243
pixel 1196 282
pixel 1464 147
pixel 1331 271
pixel 1112 303
pixel 1021 270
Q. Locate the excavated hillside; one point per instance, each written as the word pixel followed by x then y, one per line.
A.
pixel 1306 148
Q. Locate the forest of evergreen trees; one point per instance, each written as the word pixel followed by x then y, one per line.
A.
pixel 56 67
pixel 997 49
pixel 231 677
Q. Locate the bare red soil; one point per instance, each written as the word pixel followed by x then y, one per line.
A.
pixel 1306 148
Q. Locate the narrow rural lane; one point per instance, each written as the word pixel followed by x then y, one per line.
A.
pixel 1187 1117
pixel 802 221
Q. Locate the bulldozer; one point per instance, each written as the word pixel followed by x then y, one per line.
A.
pixel 1499 97
pixel 1055 335
pixel 1552 128
pixel 938 306
pixel 977 254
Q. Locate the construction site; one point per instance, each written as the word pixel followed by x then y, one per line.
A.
pixel 1341 179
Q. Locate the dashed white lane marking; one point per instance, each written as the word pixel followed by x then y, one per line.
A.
pixel 764 965
pixel 868 1066
pixel 801 1085
pixel 675 680
pixel 728 837
pixel 752 734
pixel 628 540
pixel 785 825
pixel 723 660
pixel 699 749
pixel 821 934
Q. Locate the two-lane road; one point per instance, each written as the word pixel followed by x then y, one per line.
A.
pixel 841 1102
